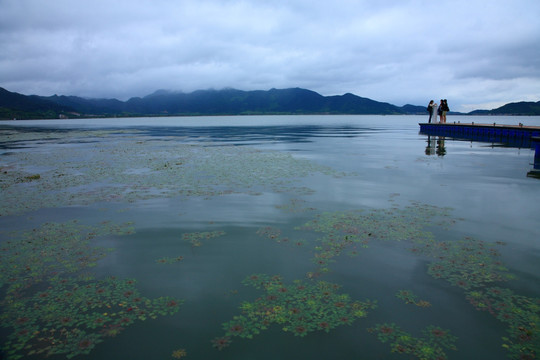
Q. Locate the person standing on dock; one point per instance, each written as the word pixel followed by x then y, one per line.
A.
pixel 434 107
pixel 430 110
pixel 444 110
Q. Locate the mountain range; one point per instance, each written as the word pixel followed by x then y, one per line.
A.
pixel 218 102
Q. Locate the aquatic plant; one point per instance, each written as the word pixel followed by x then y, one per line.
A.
pixel 347 231
pixel 300 308
pixel 475 266
pixel 466 263
pixel 130 169
pixel 521 313
pixel 54 248
pixel 169 260
pixel 194 238
pixel 71 312
pixel 269 232
pixel 52 306
pixel 295 206
pixel 179 353
pixel 32 177
pixel 410 298
pixel 274 233
pixel 221 342
pixel 431 346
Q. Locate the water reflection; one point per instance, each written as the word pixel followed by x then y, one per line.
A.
pixel 253 135
pixel 239 135
pixel 535 172
pixel 435 145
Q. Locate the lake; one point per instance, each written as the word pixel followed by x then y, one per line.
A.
pixel 264 237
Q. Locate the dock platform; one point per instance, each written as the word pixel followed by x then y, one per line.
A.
pixel 514 135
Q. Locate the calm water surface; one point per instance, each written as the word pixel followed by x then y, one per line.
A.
pixel 343 237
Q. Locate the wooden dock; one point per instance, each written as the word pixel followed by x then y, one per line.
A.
pixel 513 135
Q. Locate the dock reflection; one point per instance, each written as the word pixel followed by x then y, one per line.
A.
pixel 535 172
pixel 435 145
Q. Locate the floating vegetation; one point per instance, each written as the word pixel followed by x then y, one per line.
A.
pixel 410 298
pixel 194 238
pixel 430 347
pixel 269 232
pixel 179 354
pixel 473 265
pixel 275 234
pixel 467 263
pixel 349 230
pixel 129 170
pixel 221 342
pixel 71 316
pixel 169 260
pixel 32 177
pixel 54 248
pixel 52 306
pixel 521 313
pixel 295 206
pixel 301 307
pixel 272 233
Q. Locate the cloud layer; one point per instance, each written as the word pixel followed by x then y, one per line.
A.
pixel 476 54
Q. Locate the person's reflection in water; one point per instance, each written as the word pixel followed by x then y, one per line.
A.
pixel 441 150
pixel 535 172
pixel 431 143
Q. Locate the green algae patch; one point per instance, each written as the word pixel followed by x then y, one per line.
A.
pixel 295 206
pixel 432 346
pixel 349 231
pixel 32 177
pixel 467 263
pixel 475 267
pixel 520 313
pixel 196 238
pixel 31 257
pixel 72 316
pixel 410 298
pixel 169 260
pixel 299 308
pixel 51 303
pixel 138 168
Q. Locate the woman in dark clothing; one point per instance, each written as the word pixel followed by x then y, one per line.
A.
pixel 444 109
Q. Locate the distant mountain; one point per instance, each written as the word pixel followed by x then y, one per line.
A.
pixel 238 102
pixel 414 109
pixel 214 102
pixel 516 108
pixel 13 105
pixel 88 106
pixel 201 102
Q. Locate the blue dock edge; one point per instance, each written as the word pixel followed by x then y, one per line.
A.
pixel 513 135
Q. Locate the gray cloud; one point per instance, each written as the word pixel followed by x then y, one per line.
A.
pixel 473 53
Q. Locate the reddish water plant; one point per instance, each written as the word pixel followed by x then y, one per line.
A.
pixel 221 342
pixel 301 308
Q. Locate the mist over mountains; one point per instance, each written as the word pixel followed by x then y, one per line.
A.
pixel 294 101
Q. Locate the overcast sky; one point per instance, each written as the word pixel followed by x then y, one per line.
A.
pixel 478 54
